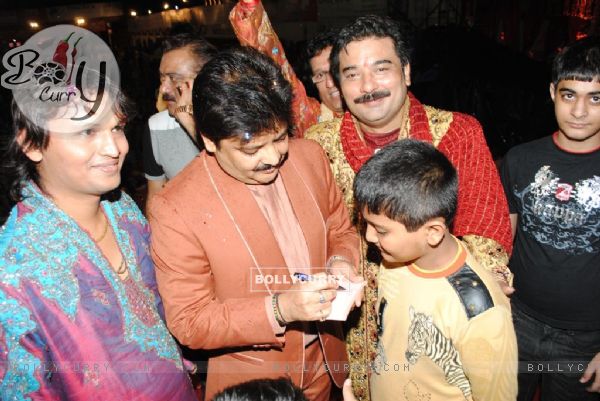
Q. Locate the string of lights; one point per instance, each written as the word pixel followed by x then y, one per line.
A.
pixel 135 9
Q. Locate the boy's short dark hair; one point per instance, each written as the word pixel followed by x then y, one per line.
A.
pixel 579 61
pixel 262 390
pixel 410 182
pixel 241 92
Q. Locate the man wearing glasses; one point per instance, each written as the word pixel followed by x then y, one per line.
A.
pixel 317 53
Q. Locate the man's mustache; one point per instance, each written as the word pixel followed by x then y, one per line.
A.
pixel 264 167
pixel 168 98
pixel 369 97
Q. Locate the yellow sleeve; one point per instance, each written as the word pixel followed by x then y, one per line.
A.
pixel 488 351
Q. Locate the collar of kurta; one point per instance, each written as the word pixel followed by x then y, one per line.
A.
pixel 357 152
pixel 250 222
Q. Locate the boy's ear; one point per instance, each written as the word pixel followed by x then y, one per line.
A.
pixel 34 154
pixel 552 91
pixel 435 230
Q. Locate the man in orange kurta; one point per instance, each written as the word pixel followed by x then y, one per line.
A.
pixel 231 229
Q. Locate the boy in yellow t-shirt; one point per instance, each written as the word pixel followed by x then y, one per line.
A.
pixel 445 328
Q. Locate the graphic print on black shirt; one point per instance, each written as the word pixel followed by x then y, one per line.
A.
pixel 554 212
pixel 556 253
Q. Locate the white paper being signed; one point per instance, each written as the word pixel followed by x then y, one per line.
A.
pixel 345 298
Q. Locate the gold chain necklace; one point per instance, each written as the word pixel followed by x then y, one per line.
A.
pixel 96 240
pixel 122 266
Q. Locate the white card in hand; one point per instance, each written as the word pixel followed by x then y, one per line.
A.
pixel 345 298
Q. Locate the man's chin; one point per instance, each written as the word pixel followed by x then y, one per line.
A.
pixel 270 173
pixel 335 105
pixel 372 117
pixel 171 106
pixel 262 180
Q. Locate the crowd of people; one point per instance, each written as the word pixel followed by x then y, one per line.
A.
pixel 265 204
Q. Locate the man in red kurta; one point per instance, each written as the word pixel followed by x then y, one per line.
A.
pixel 369 62
pixel 234 226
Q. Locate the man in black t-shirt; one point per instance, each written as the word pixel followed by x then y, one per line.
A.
pixel 553 190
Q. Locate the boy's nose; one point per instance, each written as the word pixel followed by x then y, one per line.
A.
pixel 371 235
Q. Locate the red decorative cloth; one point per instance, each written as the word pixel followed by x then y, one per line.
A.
pixel 357 151
pixel 253 28
pixel 482 206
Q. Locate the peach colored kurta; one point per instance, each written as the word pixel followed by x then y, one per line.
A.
pixel 214 249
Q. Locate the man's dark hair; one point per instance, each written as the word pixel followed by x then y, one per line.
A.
pixel 202 50
pixel 410 182
pixel 241 92
pixel 314 47
pixel 262 390
pixel 579 61
pixel 369 26
pixel 319 42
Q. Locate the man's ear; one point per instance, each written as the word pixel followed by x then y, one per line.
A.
pixel 552 91
pixel 406 72
pixel 435 230
pixel 209 145
pixel 34 154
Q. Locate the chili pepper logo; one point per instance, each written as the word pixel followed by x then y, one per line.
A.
pixel 55 71
pixel 60 54
pixel 73 55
